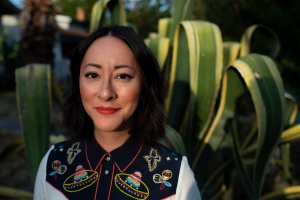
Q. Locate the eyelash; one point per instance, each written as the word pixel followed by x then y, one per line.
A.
pixel 94 75
pixel 125 76
pixel 91 75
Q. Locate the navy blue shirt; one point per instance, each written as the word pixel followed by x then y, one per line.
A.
pixel 84 170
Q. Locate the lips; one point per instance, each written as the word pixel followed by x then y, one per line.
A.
pixel 106 110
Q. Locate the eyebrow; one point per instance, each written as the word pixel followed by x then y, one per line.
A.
pixel 92 65
pixel 125 66
pixel 116 67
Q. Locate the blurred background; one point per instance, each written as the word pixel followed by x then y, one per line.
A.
pixel 66 22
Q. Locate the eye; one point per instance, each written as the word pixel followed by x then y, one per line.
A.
pixel 124 76
pixel 91 75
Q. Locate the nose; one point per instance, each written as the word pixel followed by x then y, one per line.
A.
pixel 107 92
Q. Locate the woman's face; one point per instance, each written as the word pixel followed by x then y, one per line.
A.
pixel 110 84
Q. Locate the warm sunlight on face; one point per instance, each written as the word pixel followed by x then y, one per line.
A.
pixel 110 84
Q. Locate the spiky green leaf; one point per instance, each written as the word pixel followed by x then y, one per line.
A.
pixel 33 88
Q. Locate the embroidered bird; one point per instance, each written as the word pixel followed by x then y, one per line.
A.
pixel 72 152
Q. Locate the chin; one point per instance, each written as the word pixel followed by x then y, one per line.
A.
pixel 105 126
pixel 111 129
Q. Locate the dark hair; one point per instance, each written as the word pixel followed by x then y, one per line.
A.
pixel 149 117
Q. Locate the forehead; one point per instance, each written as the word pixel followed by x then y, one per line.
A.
pixel 109 45
pixel 110 51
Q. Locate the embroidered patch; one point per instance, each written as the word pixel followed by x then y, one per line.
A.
pixel 132 185
pixel 80 180
pixel 58 169
pixel 174 154
pixel 72 152
pixel 162 179
pixel 60 148
pixel 152 159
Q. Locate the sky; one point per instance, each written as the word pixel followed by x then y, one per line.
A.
pixel 18 3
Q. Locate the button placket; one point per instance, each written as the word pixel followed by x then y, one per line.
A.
pixel 106 176
pixel 108 163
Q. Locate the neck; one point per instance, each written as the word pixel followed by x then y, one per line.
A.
pixel 111 140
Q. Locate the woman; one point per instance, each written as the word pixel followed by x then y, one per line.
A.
pixel 116 114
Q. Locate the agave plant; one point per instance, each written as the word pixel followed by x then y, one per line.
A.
pixel 208 80
pixel 226 101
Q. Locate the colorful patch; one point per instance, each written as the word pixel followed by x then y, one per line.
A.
pixel 58 169
pixel 152 159
pixel 80 180
pixel 174 154
pixel 162 179
pixel 60 148
pixel 132 185
pixel 73 151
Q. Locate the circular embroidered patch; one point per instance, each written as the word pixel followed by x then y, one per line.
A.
pixel 132 185
pixel 80 180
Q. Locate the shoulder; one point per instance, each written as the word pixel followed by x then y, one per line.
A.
pixel 64 145
pixel 62 149
pixel 167 151
pixel 163 157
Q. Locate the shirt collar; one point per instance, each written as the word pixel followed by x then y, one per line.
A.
pixel 123 156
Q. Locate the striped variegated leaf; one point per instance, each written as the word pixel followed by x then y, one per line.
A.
pixel 33 89
pixel 230 91
pixel 114 7
pixel 164 25
pixel 118 13
pixel 182 11
pixel 230 52
pixel 96 15
pixel 260 76
pixel 285 154
pixel 152 35
pixel 292 192
pixel 195 78
pixel 159 47
pixel 271 41
pixel 292 133
pixel 291 110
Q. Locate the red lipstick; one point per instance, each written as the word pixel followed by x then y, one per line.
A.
pixel 106 110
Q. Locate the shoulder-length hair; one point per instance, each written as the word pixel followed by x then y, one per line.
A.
pixel 149 117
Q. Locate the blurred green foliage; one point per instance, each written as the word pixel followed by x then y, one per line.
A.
pixel 232 16
pixel 283 17
pixel 9 61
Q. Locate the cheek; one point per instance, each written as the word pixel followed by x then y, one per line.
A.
pixel 85 92
pixel 131 96
pixel 82 90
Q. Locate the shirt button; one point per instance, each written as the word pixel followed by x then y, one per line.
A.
pixel 108 158
pixel 106 172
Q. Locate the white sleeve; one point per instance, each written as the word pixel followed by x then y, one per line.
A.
pixel 40 191
pixel 187 187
